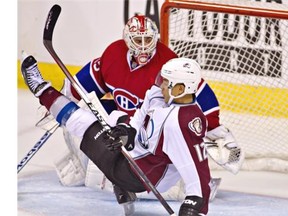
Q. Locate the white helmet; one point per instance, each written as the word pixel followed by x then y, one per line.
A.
pixel 140 27
pixel 182 70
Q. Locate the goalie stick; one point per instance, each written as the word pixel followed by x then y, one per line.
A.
pixel 47 40
pixel 36 147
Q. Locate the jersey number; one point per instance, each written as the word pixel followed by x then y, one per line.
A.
pixel 201 151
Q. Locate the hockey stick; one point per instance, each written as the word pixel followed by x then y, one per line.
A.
pixel 36 147
pixel 47 40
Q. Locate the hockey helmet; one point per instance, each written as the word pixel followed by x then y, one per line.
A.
pixel 182 70
pixel 140 35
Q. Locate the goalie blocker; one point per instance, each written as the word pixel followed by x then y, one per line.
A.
pixel 222 148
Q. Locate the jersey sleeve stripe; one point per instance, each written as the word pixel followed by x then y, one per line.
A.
pixel 88 82
pixel 207 99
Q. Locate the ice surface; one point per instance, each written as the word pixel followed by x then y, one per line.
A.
pixel 40 193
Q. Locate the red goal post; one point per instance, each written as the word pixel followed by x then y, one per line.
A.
pixel 242 47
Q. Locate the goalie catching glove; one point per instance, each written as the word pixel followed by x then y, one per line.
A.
pixel 223 149
pixel 121 134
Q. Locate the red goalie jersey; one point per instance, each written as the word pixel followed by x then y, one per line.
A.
pixel 115 73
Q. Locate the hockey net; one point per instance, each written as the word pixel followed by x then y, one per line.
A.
pixel 242 47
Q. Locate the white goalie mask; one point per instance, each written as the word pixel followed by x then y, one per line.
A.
pixel 182 70
pixel 140 35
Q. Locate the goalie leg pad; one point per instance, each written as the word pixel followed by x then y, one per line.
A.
pixel 96 179
pixel 70 170
pixel 73 144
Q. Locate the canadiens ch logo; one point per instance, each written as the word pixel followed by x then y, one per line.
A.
pixel 196 126
pixel 125 99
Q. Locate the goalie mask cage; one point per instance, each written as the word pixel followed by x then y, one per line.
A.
pixel 242 47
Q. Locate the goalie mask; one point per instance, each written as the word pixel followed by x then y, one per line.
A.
pixel 140 35
pixel 181 71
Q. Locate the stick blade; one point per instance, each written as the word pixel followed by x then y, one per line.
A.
pixel 51 21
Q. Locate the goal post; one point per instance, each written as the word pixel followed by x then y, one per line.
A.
pixel 242 47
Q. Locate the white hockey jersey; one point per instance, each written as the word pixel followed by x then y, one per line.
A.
pixel 169 144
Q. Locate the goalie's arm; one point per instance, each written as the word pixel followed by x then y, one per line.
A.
pixel 90 79
pixel 209 104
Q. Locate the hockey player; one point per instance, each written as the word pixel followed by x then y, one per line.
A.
pixel 169 129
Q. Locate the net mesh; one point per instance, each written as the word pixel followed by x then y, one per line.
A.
pixel 245 60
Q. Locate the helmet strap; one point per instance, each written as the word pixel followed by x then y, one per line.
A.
pixel 172 97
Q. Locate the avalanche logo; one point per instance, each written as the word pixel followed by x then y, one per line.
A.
pixel 145 134
pixel 125 99
pixel 196 126
pixel 143 138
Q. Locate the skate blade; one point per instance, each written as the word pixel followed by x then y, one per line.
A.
pixel 214 188
pixel 129 208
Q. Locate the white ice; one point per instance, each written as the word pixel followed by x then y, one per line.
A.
pixel 40 193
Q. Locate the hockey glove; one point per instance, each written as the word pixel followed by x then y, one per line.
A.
pixel 122 134
pixel 191 206
pixel 223 149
